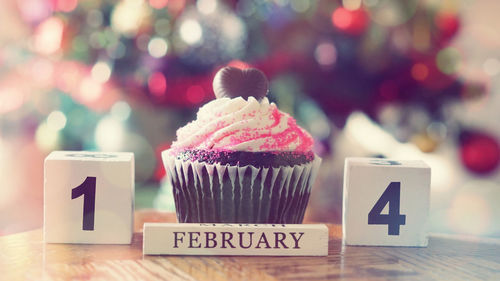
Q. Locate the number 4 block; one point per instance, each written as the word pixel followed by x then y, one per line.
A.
pixel 89 197
pixel 386 202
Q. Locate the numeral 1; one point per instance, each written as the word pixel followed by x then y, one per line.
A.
pixel 87 189
pixel 394 219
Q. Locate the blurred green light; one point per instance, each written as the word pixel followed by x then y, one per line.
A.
pixel 79 44
pixel 448 60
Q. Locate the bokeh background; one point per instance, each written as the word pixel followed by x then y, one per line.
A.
pixel 385 78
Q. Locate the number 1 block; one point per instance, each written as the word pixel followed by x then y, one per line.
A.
pixel 89 197
pixel 386 202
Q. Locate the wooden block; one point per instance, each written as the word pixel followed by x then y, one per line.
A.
pixel 235 239
pixel 386 202
pixel 89 197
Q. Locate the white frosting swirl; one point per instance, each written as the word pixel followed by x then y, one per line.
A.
pixel 242 125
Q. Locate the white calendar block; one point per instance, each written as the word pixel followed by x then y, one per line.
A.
pixel 227 239
pixel 89 197
pixel 386 202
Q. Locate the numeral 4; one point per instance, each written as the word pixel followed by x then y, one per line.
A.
pixel 394 219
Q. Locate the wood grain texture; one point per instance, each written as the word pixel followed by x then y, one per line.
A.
pixel 24 256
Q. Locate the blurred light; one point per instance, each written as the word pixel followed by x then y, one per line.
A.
pixel 97 40
pixel 359 126
pixel 162 27
pixel 446 179
pixel 191 32
pixel 109 134
pixel 157 47
pixel 325 54
pixel 56 120
pixel 281 3
pixel 7 155
pixel 238 64
pixel 232 27
pixel 10 98
pixel 33 11
pixel 437 130
pixel 352 22
pixel 142 42
pixel 421 34
pixel 157 84
pixel 448 60
pixel 47 139
pixel 447 23
pixel 401 39
pixel 143 153
pixel 65 5
pixel 195 94
pixel 42 70
pixel 90 89
pixel 315 119
pixel 121 111
pixel 424 142
pixel 94 18
pixel 475 209
pixel 470 213
pixel 491 66
pixel 79 44
pixel 476 95
pixel 351 4
pixel 419 71
pixel 246 8
pixel 101 72
pixel 300 6
pixel 158 4
pixel 370 3
pixel 206 6
pixel 341 18
pixel 48 36
pixel 116 51
pixel 480 152
pixel 128 16
pixel 391 12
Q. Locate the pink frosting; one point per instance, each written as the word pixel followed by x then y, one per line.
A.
pixel 243 125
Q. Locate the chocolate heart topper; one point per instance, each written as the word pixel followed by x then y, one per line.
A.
pixel 233 82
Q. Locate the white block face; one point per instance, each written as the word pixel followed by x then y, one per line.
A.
pixel 386 202
pixel 89 197
pixel 235 239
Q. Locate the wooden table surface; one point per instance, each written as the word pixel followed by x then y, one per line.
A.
pixel 24 256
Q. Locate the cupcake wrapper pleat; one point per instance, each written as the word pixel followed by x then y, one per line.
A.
pixel 212 193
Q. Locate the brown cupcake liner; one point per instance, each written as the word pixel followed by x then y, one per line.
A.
pixel 214 193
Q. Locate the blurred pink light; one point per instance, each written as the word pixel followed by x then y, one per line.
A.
pixel 195 94
pixel 90 90
pixel 350 21
pixel 158 4
pixel 157 84
pixel 33 11
pixel 419 71
pixel 68 75
pixel 325 54
pixel 238 64
pixel 341 18
pixel 64 5
pixel 11 98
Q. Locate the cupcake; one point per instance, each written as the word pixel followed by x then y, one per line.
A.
pixel 242 160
